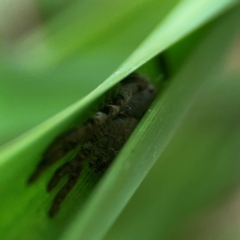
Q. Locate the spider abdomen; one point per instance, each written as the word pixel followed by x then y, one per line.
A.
pixel 109 140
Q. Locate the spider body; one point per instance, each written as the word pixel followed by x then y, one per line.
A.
pixel 101 137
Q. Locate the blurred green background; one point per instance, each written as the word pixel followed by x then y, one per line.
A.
pixel 70 50
pixel 177 176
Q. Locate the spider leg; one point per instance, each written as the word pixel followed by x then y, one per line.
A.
pixel 61 195
pixel 67 142
pixel 73 169
pixel 42 166
pixel 58 149
pixel 67 168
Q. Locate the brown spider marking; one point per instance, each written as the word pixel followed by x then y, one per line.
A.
pixel 101 137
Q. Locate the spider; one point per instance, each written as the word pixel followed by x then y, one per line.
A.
pixel 101 137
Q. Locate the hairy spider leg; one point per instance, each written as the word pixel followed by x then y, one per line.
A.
pixel 61 195
pixel 64 170
pixel 73 169
pixel 58 149
pixel 68 167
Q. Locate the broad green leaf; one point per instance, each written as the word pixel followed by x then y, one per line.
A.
pixel 28 205
pixel 192 192
pixel 110 198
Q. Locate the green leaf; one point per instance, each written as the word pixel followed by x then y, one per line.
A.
pixel 192 192
pixel 23 208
